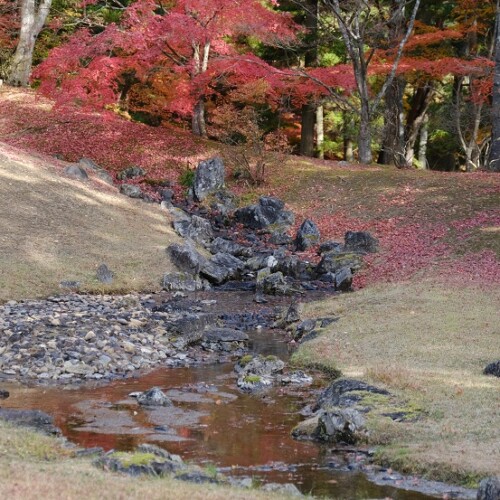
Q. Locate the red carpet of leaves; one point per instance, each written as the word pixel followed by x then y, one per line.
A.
pixel 27 121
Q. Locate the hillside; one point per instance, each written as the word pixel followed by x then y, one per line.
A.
pixel 55 229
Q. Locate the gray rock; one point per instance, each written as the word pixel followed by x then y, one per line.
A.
pixel 4 394
pixel 254 383
pixel 303 328
pixel 186 258
pixel 131 190
pixel 489 489
pixel 261 262
pixel 360 241
pixel 167 195
pixel 493 369
pixel 332 262
pixel 287 489
pixel 268 214
pixel 343 279
pixel 104 275
pixel 104 176
pixel 36 419
pixel 220 245
pixel 260 365
pixel 221 267
pixel 333 395
pixel 131 173
pixel 275 284
pixel 280 238
pixel 307 236
pixel 224 335
pixel 330 246
pixel 76 172
pixel 154 397
pixel 200 230
pixel 183 282
pixel 208 178
pixel 339 425
pixel 297 378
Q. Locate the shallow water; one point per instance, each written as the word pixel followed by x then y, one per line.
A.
pixel 212 423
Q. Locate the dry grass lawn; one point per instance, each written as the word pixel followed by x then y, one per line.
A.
pixel 53 228
pixel 35 466
pixel 428 344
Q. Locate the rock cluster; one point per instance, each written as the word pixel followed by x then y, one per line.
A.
pixel 259 372
pixel 76 338
pixel 252 245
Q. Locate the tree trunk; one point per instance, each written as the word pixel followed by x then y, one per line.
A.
pixel 307 130
pixel 494 159
pixel 392 151
pixel 32 21
pixel 200 65
pixel 416 116
pixel 320 132
pixel 310 59
pixel 422 146
pixel 365 135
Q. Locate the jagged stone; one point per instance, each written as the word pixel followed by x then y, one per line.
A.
pixel 186 258
pixel 209 177
pixel 154 397
pixel 307 236
pixel 340 425
pixel 183 282
pixel 360 241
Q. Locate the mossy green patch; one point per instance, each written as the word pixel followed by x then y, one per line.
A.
pixel 129 459
pixel 245 360
pixel 252 379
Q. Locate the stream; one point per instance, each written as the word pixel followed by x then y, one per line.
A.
pixel 212 424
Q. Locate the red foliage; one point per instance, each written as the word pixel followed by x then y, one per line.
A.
pixel 95 69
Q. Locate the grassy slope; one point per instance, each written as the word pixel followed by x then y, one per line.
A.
pixel 53 228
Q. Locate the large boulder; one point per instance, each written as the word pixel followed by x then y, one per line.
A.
pixel 307 236
pixel 267 214
pixel 208 178
pixel 275 284
pixel 186 257
pixel 183 282
pixel 360 241
pixel 227 246
pixel 340 425
pixel 197 229
pixel 221 267
pixel 339 393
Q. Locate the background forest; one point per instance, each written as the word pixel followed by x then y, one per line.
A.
pixel 394 82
